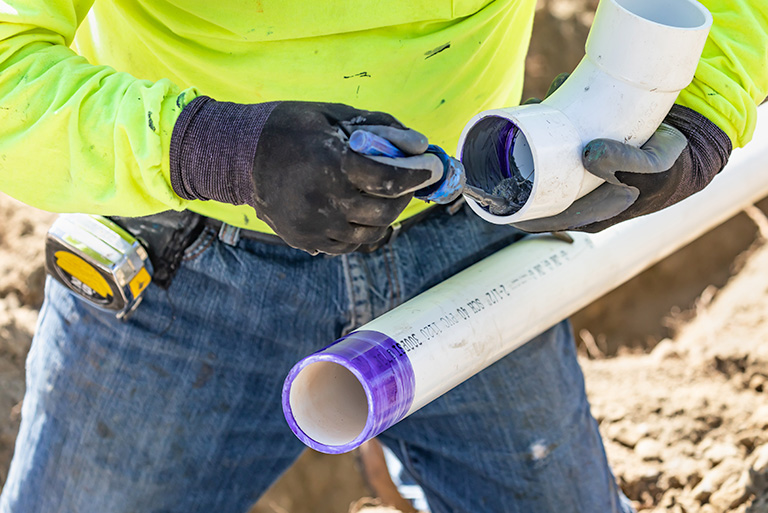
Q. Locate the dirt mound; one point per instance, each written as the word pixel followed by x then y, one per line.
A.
pixel 686 427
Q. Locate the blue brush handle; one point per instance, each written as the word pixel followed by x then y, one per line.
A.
pixel 367 143
pixel 444 191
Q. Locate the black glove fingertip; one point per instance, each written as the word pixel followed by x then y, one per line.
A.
pixel 593 153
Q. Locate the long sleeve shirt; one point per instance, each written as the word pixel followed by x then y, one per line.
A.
pixel 90 90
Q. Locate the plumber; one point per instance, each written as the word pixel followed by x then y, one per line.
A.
pixel 217 131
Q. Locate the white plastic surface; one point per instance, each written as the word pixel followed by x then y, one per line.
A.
pixel 639 55
pixel 466 323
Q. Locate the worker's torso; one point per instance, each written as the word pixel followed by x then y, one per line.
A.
pixel 433 64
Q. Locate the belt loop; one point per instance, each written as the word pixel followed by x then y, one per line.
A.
pixel 396 228
pixel 229 234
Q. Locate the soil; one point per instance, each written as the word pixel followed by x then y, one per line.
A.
pixel 685 425
pixel 674 362
pixel 22 233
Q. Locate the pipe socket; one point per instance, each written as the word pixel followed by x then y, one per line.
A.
pixel 639 55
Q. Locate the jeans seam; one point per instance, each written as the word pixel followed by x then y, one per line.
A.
pixel 397 291
pixel 351 300
pixel 199 247
pixel 390 280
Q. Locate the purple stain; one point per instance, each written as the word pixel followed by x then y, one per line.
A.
pixel 507 137
pixel 348 392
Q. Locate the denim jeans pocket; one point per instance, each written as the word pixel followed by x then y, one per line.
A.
pixel 200 245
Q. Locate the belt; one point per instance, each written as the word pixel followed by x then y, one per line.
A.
pixel 168 234
pixel 229 232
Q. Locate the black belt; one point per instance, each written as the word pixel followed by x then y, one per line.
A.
pixel 392 232
pixel 168 234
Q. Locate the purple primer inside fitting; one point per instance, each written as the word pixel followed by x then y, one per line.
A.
pixel 507 137
pixel 385 373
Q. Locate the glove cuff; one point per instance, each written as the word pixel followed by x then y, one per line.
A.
pixel 213 146
pixel 710 146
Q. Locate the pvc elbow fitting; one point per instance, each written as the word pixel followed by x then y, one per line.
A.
pixel 639 55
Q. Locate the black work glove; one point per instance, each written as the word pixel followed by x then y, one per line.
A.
pixel 681 158
pixel 553 86
pixel 292 163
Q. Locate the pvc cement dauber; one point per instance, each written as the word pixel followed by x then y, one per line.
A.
pixel 445 190
pixel 491 148
pixel 639 55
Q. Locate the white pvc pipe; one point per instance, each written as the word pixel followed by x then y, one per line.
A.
pixel 355 388
pixel 639 55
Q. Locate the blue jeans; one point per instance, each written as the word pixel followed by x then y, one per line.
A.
pixel 178 409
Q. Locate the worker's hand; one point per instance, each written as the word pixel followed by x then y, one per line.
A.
pixel 298 171
pixel 681 158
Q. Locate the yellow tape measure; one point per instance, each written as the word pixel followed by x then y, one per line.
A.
pixel 99 261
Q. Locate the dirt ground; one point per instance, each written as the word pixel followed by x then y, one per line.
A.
pixel 674 361
pixel 685 426
pixel 22 231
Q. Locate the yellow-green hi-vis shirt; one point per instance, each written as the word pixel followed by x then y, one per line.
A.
pixel 88 130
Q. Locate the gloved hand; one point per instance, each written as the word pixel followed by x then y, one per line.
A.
pixel 553 86
pixel 291 162
pixel 681 158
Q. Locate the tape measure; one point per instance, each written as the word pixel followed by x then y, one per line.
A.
pixel 99 261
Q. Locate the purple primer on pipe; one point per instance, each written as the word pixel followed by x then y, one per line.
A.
pixel 385 373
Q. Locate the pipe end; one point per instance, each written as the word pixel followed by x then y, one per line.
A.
pixel 530 155
pixel 655 44
pixel 341 396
